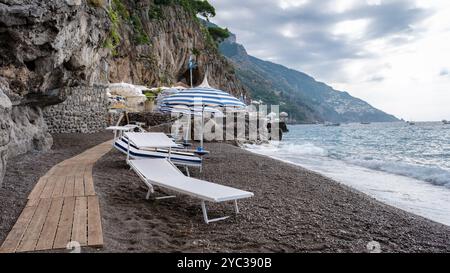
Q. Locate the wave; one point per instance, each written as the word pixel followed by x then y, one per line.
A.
pixel 431 174
pixel 296 153
pixel 279 149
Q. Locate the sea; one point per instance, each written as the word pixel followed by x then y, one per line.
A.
pixel 402 165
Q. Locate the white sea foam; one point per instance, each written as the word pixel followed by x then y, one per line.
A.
pixel 434 175
pixel 289 149
pixel 420 189
pixel 297 152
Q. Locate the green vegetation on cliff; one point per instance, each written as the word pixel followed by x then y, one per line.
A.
pixel 219 34
pixel 119 14
pixel 113 39
pixel 123 12
pixel 197 7
pixel 140 36
pixel 213 35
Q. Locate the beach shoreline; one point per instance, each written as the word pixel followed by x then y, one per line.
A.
pixel 294 209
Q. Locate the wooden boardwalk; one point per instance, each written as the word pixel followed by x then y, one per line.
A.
pixel 62 207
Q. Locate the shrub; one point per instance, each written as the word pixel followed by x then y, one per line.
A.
pixel 163 2
pixel 196 51
pixel 121 9
pixel 140 35
pixel 113 40
pixel 199 7
pixel 97 3
pixel 204 8
pixel 155 13
pixel 219 34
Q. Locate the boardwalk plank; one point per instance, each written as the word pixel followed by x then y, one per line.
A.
pixel 59 187
pixel 69 186
pixel 64 230
pixel 79 227
pixel 14 237
pixel 48 233
pixel 34 229
pixel 95 234
pixel 79 185
pixel 49 187
pixel 37 190
pixel 33 202
pixel 89 185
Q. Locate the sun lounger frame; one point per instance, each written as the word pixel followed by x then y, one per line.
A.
pixel 150 184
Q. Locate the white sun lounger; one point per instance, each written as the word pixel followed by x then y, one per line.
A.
pixel 162 173
pixel 181 159
pixel 134 145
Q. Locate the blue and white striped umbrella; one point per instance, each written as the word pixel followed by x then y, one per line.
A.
pixel 201 99
pixel 196 111
pixel 202 96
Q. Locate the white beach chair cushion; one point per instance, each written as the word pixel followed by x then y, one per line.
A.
pixel 161 172
pixel 177 150
pixel 176 158
pixel 142 139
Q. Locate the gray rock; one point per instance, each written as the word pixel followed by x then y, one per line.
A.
pixel 46 47
pixel 49 45
pixel 73 2
pixel 29 131
pixel 5 130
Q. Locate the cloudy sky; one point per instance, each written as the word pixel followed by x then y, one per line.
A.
pixel 395 54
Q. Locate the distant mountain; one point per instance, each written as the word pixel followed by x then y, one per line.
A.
pixel 305 99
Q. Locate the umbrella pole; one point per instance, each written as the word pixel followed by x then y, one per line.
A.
pixel 188 127
pixel 188 131
pixel 201 137
pixel 190 72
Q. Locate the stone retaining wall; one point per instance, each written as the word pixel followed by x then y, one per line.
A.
pixel 84 111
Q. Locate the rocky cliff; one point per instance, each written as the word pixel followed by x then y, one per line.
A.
pixel 49 49
pixel 173 34
pixel 5 130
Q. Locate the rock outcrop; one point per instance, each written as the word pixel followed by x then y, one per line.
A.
pixel 173 36
pixel 5 131
pixel 46 48
pixel 52 49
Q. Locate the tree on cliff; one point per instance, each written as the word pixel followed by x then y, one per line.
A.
pixel 199 7
pixel 204 8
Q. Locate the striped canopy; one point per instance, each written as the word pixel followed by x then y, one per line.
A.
pixel 202 96
pixel 196 111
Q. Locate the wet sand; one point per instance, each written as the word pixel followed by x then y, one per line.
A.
pixel 294 210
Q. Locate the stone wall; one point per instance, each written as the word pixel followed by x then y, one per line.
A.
pixel 84 111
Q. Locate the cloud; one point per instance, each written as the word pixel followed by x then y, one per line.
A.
pixel 376 78
pixel 318 37
pixel 390 53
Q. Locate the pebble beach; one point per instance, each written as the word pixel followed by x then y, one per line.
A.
pixel 293 210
